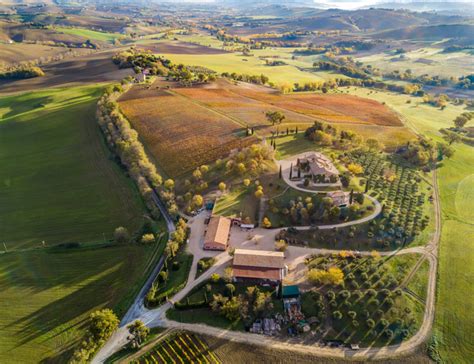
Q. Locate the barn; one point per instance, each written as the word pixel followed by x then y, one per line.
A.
pixel 258 265
pixel 217 233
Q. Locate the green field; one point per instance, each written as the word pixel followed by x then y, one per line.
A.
pixel 293 72
pixel 57 185
pixel 426 60
pixel 454 324
pixel 91 34
pixel 46 296
pixel 56 182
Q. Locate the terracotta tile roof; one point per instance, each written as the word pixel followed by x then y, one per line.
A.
pixel 258 258
pixel 217 231
pixel 273 274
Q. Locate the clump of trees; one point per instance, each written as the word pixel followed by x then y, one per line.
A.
pixel 21 72
pixel 255 79
pixel 248 306
pixel 102 324
pixel 327 135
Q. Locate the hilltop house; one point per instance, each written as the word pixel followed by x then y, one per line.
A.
pixel 217 233
pixel 258 265
pixel 319 167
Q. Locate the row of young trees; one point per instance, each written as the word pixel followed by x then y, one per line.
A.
pixel 123 140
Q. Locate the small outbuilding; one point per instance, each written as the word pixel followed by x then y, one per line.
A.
pixel 217 233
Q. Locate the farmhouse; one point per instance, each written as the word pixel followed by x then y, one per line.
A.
pixel 319 167
pixel 340 198
pixel 217 233
pixel 258 265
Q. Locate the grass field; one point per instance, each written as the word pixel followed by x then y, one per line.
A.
pixel 421 61
pixel 91 34
pixel 454 323
pixel 46 296
pixel 57 184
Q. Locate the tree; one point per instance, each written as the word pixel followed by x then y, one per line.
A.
pixel 279 173
pixel 103 323
pixel 169 184
pixel 281 245
pixel 337 315
pixel 275 117
pixel 139 332
pixel 355 168
pixel 246 182
pixel 197 201
pixel 121 235
pixel 259 193
pixel 266 223
pixel 231 309
pixel 451 138
pixel 445 150
pixel 230 288
pixel 222 186
pixel 148 238
pixel 333 276
pixel 461 120
pixel 215 277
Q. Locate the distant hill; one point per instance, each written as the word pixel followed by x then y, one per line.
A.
pixel 463 32
pixel 362 20
pixel 451 8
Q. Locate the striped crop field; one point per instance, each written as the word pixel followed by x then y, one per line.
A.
pixel 181 348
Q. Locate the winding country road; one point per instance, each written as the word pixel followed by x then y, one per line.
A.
pixel 157 317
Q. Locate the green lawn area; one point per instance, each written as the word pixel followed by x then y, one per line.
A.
pixel 56 182
pixel 46 296
pixel 91 34
pixel 454 323
pixel 454 319
pixel 58 185
pixel 238 202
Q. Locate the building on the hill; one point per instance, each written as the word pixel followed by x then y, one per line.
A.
pixel 258 265
pixel 319 167
pixel 340 198
pixel 217 233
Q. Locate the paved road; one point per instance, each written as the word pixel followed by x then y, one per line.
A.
pixel 158 317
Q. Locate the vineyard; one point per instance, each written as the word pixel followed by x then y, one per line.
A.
pixel 180 348
pixel 185 127
pixel 180 134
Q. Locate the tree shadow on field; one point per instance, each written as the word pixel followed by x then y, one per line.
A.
pixel 63 311
pixel 99 285
pixel 26 104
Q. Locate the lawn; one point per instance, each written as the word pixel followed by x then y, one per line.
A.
pixel 57 183
pixel 57 186
pixel 240 202
pixel 91 34
pixel 454 321
pixel 46 296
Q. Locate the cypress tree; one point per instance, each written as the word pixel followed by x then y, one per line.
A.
pixel 291 171
pixel 279 173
